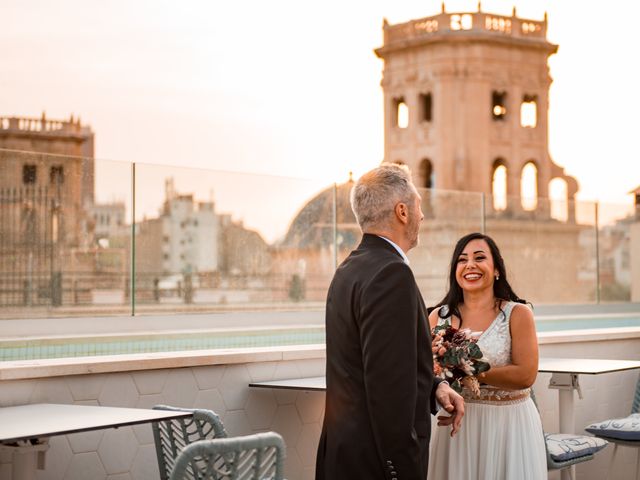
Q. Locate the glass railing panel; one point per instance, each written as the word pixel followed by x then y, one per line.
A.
pixel 308 250
pixel 347 231
pixel 218 241
pixel 615 244
pixel 586 251
pixel 64 241
pixel 111 216
pixel 549 254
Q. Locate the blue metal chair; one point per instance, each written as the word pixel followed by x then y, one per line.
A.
pixel 172 436
pixel 635 409
pixel 252 457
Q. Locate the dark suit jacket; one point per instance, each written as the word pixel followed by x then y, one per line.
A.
pixel 380 384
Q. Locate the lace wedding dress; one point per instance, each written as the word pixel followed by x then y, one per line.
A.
pixel 501 435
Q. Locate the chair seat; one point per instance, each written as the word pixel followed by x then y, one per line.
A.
pixel 567 447
pixel 627 428
pixel 564 450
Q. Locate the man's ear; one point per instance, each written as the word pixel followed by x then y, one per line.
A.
pixel 402 212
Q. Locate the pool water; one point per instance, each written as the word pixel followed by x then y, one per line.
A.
pixel 586 322
pixel 31 349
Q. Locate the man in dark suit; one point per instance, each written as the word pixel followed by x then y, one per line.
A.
pixel 381 390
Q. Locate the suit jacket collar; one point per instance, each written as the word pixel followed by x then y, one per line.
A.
pixel 370 240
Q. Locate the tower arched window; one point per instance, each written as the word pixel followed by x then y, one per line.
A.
pixel 529 111
pixel 558 196
pixel 427 174
pixel 529 186
pixel 499 185
pixel 425 101
pixel 400 113
pixel 498 105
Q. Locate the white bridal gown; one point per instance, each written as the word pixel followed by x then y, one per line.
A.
pixel 499 439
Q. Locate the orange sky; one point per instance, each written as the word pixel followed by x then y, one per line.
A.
pixel 292 88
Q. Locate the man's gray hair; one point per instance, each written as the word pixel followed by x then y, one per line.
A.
pixel 377 192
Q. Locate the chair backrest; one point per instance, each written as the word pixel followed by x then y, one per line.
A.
pixel 252 457
pixel 172 436
pixel 635 408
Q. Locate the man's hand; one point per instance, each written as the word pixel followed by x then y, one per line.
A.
pixel 453 404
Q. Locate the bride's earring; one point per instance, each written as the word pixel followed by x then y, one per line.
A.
pixel 497 276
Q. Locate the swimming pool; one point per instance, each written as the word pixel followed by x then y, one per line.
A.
pixel 87 345
pixel 586 322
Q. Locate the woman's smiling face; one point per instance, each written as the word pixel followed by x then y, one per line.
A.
pixel 474 266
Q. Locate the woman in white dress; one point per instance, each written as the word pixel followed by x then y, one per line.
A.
pixel 501 437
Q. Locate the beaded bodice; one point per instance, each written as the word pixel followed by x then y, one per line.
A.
pixel 495 343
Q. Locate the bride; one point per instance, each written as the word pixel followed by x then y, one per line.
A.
pixel 502 435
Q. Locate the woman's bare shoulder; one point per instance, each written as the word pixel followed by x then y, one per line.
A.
pixel 522 311
pixel 434 316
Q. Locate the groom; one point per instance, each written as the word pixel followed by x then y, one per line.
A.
pixel 380 384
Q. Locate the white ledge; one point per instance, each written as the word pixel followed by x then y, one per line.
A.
pixel 25 369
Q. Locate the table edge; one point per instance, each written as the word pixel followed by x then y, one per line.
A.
pixel 173 416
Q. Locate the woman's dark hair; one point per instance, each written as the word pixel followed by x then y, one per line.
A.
pixel 501 288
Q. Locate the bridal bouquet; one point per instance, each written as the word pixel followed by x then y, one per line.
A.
pixel 457 357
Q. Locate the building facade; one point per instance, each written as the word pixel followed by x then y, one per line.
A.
pixel 183 239
pixel 47 183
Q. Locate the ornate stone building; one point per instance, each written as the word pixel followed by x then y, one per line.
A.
pixel 66 138
pixel 46 185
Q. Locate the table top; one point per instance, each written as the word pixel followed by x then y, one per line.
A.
pixel 318 384
pixel 588 366
pixel 40 420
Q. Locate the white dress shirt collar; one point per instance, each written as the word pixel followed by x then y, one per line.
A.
pixel 402 254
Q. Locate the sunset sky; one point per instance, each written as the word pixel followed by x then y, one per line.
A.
pixel 292 88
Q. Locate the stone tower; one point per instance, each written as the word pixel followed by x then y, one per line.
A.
pixel 466 94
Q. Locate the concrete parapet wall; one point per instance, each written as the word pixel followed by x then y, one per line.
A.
pixel 220 382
